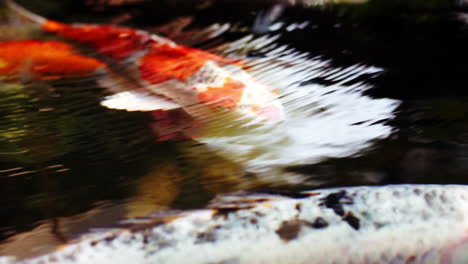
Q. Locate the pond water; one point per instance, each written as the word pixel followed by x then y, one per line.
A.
pixel 374 93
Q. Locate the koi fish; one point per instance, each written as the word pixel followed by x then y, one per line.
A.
pixel 170 75
pixel 389 224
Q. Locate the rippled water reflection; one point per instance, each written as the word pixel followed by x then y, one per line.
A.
pixel 360 109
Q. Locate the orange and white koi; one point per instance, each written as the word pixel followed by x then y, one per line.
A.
pixel 174 76
pixel 391 224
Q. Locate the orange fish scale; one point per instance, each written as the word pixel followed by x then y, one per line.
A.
pixel 165 62
pixel 116 42
pixel 44 59
pixel 227 96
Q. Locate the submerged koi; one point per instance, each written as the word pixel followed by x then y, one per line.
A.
pixel 175 76
pixel 390 224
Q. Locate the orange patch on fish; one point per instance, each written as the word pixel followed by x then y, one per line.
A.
pixel 44 60
pixel 116 42
pixel 165 62
pixel 227 96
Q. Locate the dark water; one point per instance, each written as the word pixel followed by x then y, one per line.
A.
pixel 379 97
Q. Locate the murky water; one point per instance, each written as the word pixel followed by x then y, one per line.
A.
pixel 373 94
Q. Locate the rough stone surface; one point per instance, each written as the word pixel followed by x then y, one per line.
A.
pixel 390 224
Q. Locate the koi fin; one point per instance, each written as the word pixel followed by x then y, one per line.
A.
pixel 138 101
pixel 23 13
pixel 266 19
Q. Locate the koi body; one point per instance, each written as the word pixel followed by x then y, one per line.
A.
pixel 201 83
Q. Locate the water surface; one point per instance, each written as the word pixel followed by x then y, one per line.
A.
pixel 374 94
